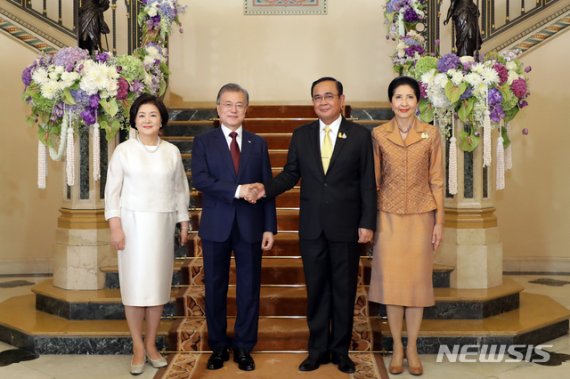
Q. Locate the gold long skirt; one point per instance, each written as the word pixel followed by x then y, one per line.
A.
pixel 402 266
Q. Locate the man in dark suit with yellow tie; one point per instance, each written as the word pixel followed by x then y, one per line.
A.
pixel 333 157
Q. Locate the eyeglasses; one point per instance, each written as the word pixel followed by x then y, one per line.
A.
pixel 239 106
pixel 327 97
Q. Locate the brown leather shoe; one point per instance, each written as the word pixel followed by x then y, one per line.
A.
pixel 416 371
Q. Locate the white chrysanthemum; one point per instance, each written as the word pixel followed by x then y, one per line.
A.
pixel 50 89
pixel 477 68
pixel 148 60
pixel 440 80
pixel 68 79
pixel 40 76
pixel 473 79
pixel 511 66
pixel 99 77
pixel 53 74
pixel 153 52
pixel 428 77
pixel 152 11
pixel 456 76
pixel 438 98
pixel 480 90
pixel 147 79
pixel 512 77
pixel 59 69
pixel 490 76
pixel 466 59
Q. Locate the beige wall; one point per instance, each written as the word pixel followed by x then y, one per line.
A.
pixel 277 57
pixel 27 215
pixel 534 209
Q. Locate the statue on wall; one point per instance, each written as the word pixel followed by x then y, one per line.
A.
pixel 92 24
pixel 465 16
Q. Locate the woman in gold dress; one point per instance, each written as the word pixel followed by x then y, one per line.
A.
pixel 409 181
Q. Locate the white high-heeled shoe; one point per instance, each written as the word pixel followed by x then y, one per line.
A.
pixel 136 369
pixel 157 363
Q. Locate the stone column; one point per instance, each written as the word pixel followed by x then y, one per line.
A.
pixel 82 235
pixel 472 240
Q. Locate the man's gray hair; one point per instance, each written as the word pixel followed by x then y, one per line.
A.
pixel 232 87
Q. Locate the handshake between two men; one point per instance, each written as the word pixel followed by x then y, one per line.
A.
pixel 252 192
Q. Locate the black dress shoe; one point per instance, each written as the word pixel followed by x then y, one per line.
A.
pixel 244 360
pixel 344 363
pixel 313 362
pixel 217 359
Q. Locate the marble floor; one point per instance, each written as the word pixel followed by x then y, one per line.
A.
pixel 115 366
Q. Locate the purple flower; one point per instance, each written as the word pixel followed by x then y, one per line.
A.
pixel 94 101
pixel 497 113
pixel 137 86
pixel 102 57
pixel 88 116
pixel 527 69
pixel 467 94
pixel 123 90
pixel 56 112
pixel 27 74
pixel 522 104
pixel 153 23
pixel 519 88
pixel 495 97
pixel 168 11
pixel 502 71
pixel 410 15
pixel 447 62
pixel 69 57
pixel 411 51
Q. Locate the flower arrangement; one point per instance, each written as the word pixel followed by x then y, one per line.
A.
pixel 71 88
pixel 403 15
pixel 483 95
pixel 156 18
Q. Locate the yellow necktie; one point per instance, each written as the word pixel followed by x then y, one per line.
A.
pixel 326 149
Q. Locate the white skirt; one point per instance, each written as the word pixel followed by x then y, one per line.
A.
pixel 146 263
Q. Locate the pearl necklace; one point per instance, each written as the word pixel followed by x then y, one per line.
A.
pixel 152 149
pixel 404 131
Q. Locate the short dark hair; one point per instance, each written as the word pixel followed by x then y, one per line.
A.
pixel 147 98
pixel 403 81
pixel 232 87
pixel 327 79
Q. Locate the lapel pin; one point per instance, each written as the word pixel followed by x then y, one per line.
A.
pixel 425 135
pixel 342 135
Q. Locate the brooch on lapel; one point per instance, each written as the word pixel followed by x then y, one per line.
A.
pixel 425 135
pixel 248 141
pixel 342 135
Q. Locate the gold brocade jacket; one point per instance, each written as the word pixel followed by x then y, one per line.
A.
pixel 409 174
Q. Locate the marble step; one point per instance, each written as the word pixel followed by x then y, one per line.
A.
pixel 274 334
pixel 286 270
pixel 286 244
pixel 103 304
pixel 449 303
pixel 537 320
pixel 25 327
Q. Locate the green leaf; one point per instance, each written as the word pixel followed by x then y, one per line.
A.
pixel 67 97
pixel 426 110
pixel 110 106
pixel 506 139
pixel 511 113
pixel 466 109
pixel 454 92
pixel 467 141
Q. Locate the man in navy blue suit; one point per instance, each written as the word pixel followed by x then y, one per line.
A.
pixel 223 161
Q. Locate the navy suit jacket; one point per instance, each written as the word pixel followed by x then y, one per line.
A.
pixel 213 174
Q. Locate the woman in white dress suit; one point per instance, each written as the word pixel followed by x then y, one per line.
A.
pixel 145 196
